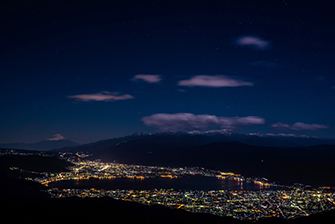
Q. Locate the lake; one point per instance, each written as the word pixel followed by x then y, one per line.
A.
pixel 182 183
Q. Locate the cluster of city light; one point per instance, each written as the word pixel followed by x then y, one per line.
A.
pixel 84 170
pixel 62 155
pixel 244 205
pixel 14 152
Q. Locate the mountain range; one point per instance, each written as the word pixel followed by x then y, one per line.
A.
pixel 205 137
pixel 60 143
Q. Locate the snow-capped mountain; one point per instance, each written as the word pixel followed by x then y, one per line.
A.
pixel 225 132
pixel 198 138
pixel 56 137
pixel 57 141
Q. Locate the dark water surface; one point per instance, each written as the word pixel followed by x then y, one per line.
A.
pixel 183 183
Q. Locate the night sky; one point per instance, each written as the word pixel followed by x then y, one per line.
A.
pixel 91 70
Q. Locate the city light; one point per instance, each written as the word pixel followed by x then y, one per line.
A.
pixel 288 202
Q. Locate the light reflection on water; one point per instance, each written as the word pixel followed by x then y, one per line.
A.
pixel 182 183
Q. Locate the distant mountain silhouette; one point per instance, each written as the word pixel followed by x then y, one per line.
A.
pixel 55 142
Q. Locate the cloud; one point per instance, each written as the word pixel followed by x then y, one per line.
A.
pixel 103 96
pixel 188 121
pixel 253 41
pixel 56 137
pixel 299 126
pixel 148 78
pixel 214 81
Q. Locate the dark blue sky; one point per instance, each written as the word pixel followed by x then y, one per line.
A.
pixel 91 70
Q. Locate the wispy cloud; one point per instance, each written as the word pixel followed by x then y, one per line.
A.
pixel 299 126
pixel 102 96
pixel 253 41
pixel 147 78
pixel 188 121
pixel 214 81
pixel 56 137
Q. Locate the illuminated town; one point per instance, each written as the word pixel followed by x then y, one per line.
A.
pixel 244 205
pixel 287 202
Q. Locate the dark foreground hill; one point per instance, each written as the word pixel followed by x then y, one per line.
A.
pixel 102 210
pixel 15 187
pixel 22 201
pixel 34 163
pixel 107 210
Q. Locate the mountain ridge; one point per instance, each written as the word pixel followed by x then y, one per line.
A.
pixel 223 135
